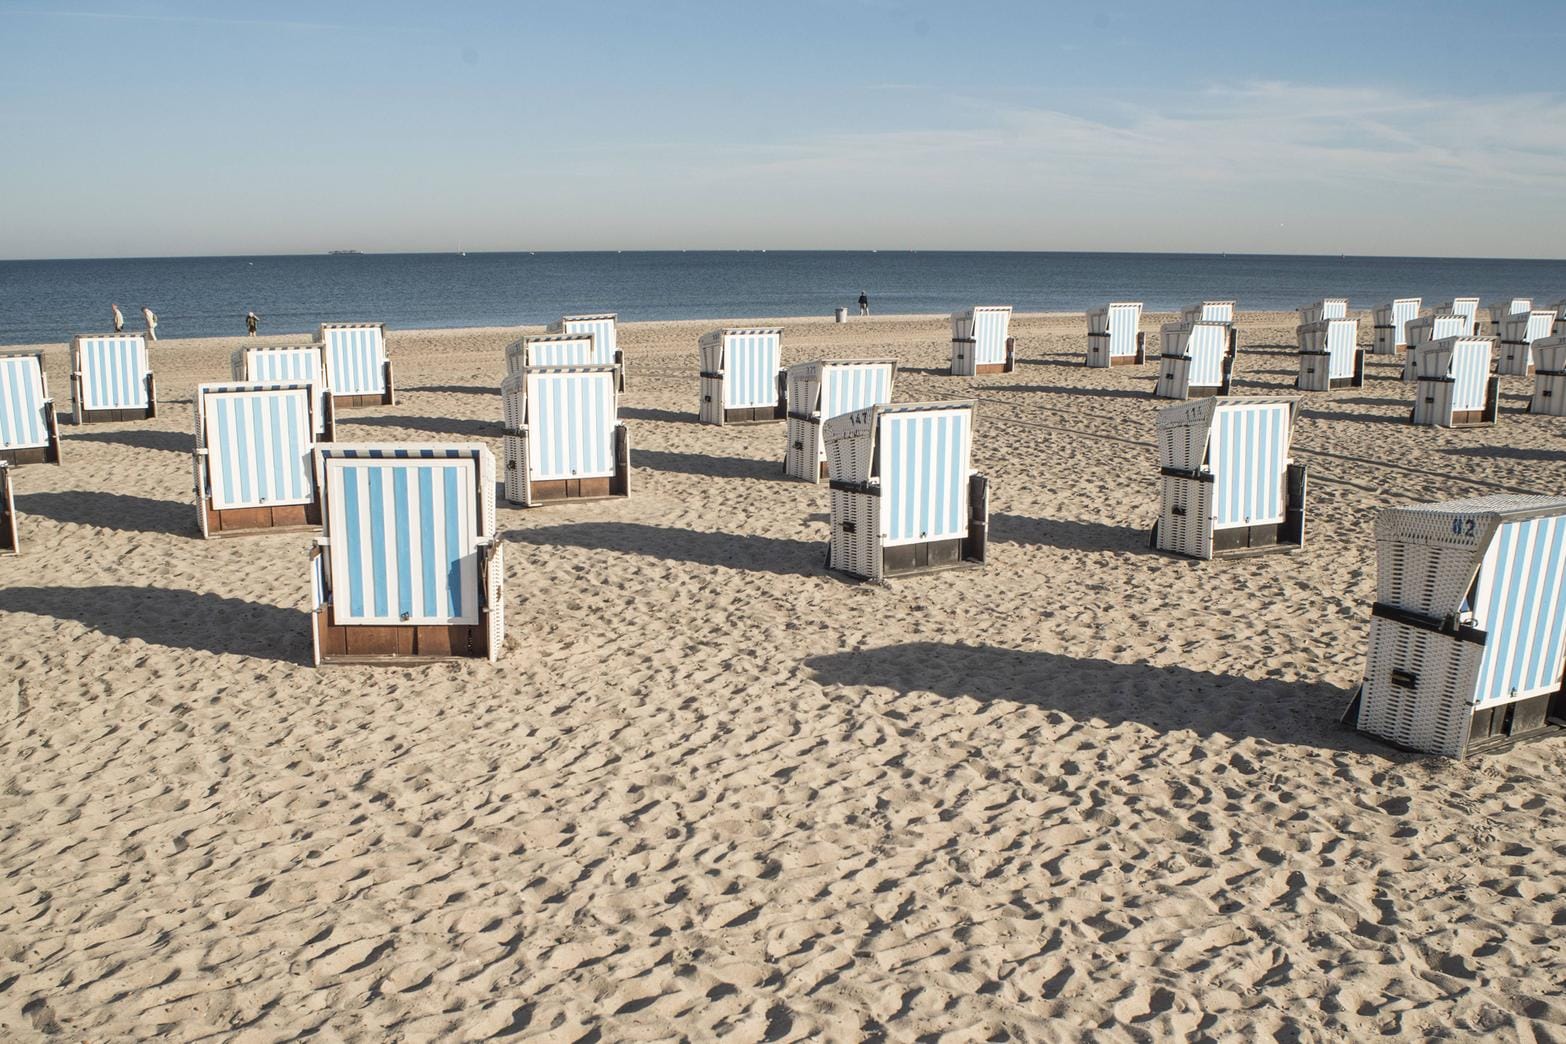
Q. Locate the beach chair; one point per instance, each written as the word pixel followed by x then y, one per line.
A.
pixel 1324 309
pixel 981 343
pixel 1427 329
pixel 408 567
pixel 10 543
pixel 606 339
pixel 1389 335
pixel 29 430
pixel 1502 310
pixel 1229 487
pixel 1196 360
pixel 356 365
pixel 1468 630
pixel 1208 312
pixel 572 349
pixel 306 362
pixel 819 391
pixel 253 466
pixel 742 378
pixel 1518 334
pixel 1465 306
pixel 1559 308
pixel 564 439
pixel 1114 335
pixel 1454 387
pixel 1330 355
pixel 904 497
pixel 110 379
pixel 1549 377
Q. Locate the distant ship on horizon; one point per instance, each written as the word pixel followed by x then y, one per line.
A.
pixel 335 252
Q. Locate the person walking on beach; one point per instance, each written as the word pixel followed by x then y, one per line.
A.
pixel 119 318
pixel 864 304
pixel 152 322
pixel 251 319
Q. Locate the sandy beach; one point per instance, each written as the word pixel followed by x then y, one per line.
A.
pixel 1088 791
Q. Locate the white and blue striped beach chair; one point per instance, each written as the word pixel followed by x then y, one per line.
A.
pixel 1115 336
pixel 1208 312
pixel 1229 487
pixel 982 342
pixel 111 379
pixel 605 329
pixel 253 464
pixel 1324 309
pixel 573 349
pixel 1453 384
pixel 1518 334
pixel 290 365
pixel 356 365
pixel 1390 334
pixel 408 567
pixel 1504 309
pixel 1468 630
pixel 1330 355
pixel 1559 308
pixel 1549 376
pixel 905 498
pixel 742 379
pixel 29 430
pixel 821 390
pixel 1464 306
pixel 1427 329
pixel 10 541
pixel 1196 360
pixel 564 439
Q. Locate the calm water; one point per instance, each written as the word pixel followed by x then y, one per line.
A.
pixel 44 301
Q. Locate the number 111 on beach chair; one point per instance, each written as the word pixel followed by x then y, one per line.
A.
pixel 981 341
pixel 904 497
pixel 9 542
pixel 742 379
pixel 29 430
pixel 1114 335
pixel 253 463
pixel 111 379
pixel 408 568
pixel 356 365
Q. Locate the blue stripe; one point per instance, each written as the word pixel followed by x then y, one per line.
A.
pixel 378 538
pixel 404 535
pixel 353 536
pixel 453 543
pixel 427 534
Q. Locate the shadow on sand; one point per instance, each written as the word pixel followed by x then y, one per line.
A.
pixel 473 429
pixel 136 438
pixel 734 550
pixel 1073 536
pixel 703 464
pixel 115 511
pixel 649 414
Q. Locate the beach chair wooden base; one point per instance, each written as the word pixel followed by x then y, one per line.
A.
pixel 712 412
pixel 282 518
pixel 362 400
pixel 525 491
pixel 1098 356
pixel 81 415
pixel 48 454
pixel 10 544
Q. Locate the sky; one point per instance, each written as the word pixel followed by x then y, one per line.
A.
pixel 142 128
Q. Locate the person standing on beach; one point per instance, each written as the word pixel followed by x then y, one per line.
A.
pixel 152 322
pixel 251 319
pixel 119 318
pixel 864 304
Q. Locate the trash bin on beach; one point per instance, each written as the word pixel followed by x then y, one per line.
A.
pixel 842 315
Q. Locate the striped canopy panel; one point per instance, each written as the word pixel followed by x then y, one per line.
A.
pixel 403 540
pixel 1206 348
pixel 1217 311
pixel 990 326
pixel 1334 308
pixel 356 359
pixel 1342 338
pixel 1123 322
pixel 1521 605
pixel 1247 452
pixel 605 338
pixel 1468 308
pixel 853 386
pixel 1403 309
pixel 114 371
pixel 571 422
pixel 1470 373
pixel 258 447
pixel 285 364
pixel 575 351
pixel 24 421
pixel 750 362
pixel 924 475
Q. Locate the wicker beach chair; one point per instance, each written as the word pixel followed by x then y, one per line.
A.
pixel 1324 309
pixel 1114 335
pixel 604 326
pixel 1228 485
pixel 742 378
pixel 111 379
pixel 10 541
pixel 1549 377
pixel 1390 325
pixel 904 497
pixel 1468 630
pixel 981 341
pixel 1330 355
pixel 289 365
pixel 562 349
pixel 1196 360
pixel 1465 306
pixel 564 439
pixel 819 391
pixel 408 567
pixel 29 430
pixel 1518 334
pixel 1453 384
pixel 1427 329
pixel 254 469
pixel 1504 309
pixel 356 365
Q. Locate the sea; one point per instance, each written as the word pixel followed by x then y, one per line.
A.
pixel 50 301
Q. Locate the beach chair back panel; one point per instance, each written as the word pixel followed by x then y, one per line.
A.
pixel 1342 339
pixel 356 359
pixel 1247 453
pixel 23 416
pixel 605 337
pixel 1214 312
pixel 403 540
pixel 1470 373
pixel 751 375
pixel 1334 308
pixel 845 389
pixel 1404 309
pixel 1521 605
pixel 571 422
pixel 1468 308
pixel 989 334
pixel 1124 319
pixel 284 364
pixel 114 372
pixel 923 466
pixel 575 351
pixel 1206 347
pixel 258 448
